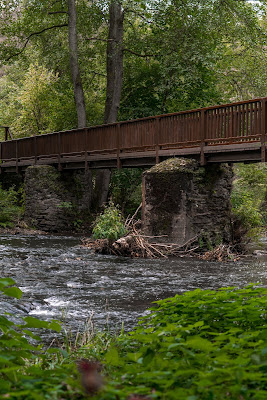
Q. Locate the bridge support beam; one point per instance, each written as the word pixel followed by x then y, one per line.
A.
pixel 182 201
pixel 55 201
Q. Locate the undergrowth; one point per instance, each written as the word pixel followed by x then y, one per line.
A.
pixel 202 345
pixel 10 209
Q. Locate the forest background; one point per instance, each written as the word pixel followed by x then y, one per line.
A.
pixel 69 63
pixel 66 64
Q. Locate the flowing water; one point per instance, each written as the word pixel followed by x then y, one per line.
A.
pixel 62 280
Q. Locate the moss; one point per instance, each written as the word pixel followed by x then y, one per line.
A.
pixel 174 165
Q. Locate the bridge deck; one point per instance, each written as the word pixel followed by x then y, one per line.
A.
pixel 225 133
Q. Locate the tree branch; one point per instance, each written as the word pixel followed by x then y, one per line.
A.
pixel 140 55
pixel 57 12
pixel 34 34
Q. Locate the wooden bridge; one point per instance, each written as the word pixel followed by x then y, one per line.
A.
pixel 235 132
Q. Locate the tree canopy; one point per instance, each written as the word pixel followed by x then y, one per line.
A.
pixel 167 55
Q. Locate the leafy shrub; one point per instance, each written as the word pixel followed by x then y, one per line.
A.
pixel 126 189
pixel 109 224
pixel 28 371
pixel 202 345
pixel 9 207
pixel 197 346
pixel 249 191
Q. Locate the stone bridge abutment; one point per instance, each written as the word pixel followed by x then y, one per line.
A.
pixel 181 200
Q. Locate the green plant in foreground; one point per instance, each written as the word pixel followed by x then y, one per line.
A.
pixel 26 370
pixel 109 225
pixel 201 345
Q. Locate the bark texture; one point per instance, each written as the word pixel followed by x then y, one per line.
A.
pixel 74 65
pixel 114 62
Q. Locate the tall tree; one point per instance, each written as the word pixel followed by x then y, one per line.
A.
pixel 74 65
pixel 114 62
pixel 114 66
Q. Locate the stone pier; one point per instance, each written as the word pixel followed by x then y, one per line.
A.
pixel 182 200
pixel 55 200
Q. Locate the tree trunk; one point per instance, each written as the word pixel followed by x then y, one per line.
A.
pixel 113 92
pixel 114 62
pixel 74 65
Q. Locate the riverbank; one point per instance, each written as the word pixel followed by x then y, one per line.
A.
pixel 195 345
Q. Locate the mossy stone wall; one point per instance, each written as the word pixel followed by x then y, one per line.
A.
pixel 54 199
pixel 182 200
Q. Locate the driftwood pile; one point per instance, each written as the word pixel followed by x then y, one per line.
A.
pixel 221 253
pixel 136 244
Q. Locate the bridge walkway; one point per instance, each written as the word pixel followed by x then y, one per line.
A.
pixel 235 132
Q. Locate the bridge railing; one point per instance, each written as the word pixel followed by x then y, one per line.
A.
pixel 224 124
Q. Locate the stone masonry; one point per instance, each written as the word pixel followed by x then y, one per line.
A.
pixel 54 199
pixel 182 200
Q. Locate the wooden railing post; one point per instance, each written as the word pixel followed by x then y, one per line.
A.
pixel 35 150
pixel 203 136
pixel 263 129
pixel 157 139
pixel 86 166
pixel 17 161
pixel 118 133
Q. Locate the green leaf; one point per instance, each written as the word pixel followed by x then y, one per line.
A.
pixel 198 343
pixel 13 292
pixel 112 357
pixel 32 322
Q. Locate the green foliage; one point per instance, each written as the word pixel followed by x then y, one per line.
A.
pixel 249 193
pixel 199 345
pixel 109 224
pixel 126 190
pixel 188 53
pixel 10 210
pixel 26 370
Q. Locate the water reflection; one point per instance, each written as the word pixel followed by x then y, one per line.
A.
pixel 61 279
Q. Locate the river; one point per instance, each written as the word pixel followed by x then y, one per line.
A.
pixel 62 280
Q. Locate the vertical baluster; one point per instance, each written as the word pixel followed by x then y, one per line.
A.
pixel 247 119
pixel 251 119
pixel 118 134
pixel 86 164
pixel 157 127
pixel 235 131
pixel 219 125
pixel 35 150
pixel 215 116
pixel 243 120
pixel 59 151
pixel 17 161
pixel 203 121
pixel 263 129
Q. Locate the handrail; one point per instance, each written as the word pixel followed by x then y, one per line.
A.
pixel 240 122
